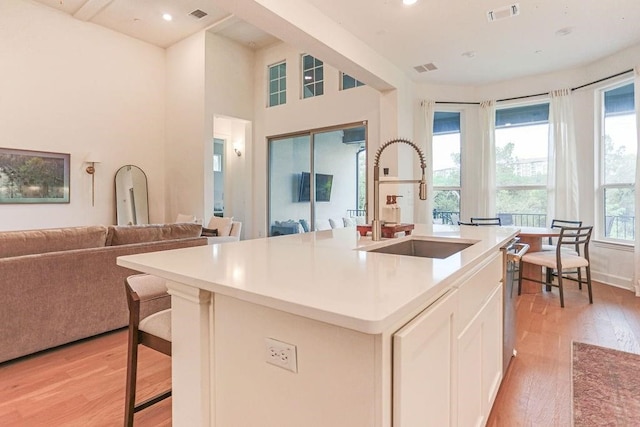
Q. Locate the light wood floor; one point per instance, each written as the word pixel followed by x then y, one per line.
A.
pixel 82 384
pixel 536 390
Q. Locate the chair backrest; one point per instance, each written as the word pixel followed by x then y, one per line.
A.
pixel 467 223
pixel 559 223
pixel 486 221
pixel 577 238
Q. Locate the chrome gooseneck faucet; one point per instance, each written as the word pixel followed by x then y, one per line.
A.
pixel 376 228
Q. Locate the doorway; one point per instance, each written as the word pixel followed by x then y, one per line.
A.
pixel 218 176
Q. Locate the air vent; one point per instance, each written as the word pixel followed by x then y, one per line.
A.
pixel 425 67
pixel 198 14
pixel 503 12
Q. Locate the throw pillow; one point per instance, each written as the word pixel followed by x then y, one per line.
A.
pixel 305 225
pixel 335 223
pixel 223 225
pixel 349 222
pixel 208 232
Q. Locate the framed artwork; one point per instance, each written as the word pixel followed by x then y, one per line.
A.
pixel 33 176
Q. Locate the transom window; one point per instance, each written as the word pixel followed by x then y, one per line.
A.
pixel 278 84
pixel 618 147
pixel 312 76
pixel 348 82
pixel 522 139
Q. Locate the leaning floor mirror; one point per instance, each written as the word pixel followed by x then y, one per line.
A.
pixel 132 200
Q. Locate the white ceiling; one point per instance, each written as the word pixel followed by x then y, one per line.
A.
pixel 431 31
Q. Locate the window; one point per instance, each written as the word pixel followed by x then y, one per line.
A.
pixel 522 139
pixel 348 82
pixel 446 167
pixel 618 147
pixel 278 84
pixel 312 76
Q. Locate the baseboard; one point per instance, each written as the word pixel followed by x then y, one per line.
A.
pixel 612 280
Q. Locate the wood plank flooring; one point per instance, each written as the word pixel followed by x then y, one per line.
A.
pixel 82 384
pixel 536 390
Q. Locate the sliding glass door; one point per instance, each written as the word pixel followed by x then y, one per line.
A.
pixel 317 179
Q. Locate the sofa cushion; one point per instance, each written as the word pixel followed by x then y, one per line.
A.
pixel 128 234
pixel 31 242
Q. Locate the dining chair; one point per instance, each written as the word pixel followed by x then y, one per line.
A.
pixel 486 221
pixel 559 264
pixel 153 331
pixel 559 223
pixel 556 224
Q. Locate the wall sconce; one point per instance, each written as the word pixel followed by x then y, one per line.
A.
pixel 91 170
pixel 236 148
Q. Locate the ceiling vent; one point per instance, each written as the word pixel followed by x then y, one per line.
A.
pixel 426 67
pixel 198 14
pixel 503 12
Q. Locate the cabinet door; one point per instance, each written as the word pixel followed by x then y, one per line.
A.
pixel 479 362
pixel 424 352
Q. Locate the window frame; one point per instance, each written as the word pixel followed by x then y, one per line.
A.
pixel 522 187
pixel 315 83
pixel 280 78
pixel 600 185
pixel 458 188
pixel 358 83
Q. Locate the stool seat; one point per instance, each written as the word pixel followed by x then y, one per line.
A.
pixel 158 324
pixel 149 326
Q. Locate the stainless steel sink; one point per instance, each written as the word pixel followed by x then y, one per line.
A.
pixel 423 248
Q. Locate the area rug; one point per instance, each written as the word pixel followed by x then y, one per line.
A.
pixel 606 386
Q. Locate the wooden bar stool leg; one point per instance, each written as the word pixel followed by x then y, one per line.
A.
pixel 132 372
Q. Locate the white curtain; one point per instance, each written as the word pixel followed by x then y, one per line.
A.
pixel 636 279
pixel 424 211
pixel 485 203
pixel 562 175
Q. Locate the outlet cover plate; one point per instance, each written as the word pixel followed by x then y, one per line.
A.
pixel 281 354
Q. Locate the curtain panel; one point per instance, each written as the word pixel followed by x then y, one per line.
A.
pixel 562 175
pixel 486 203
pixel 424 211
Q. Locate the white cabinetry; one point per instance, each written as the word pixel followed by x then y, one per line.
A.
pixel 480 362
pixel 447 361
pixel 423 366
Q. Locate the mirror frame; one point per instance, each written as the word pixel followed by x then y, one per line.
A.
pixel 140 212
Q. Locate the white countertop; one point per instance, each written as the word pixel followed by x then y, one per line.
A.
pixel 323 275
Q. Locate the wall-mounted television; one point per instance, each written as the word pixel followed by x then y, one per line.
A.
pixel 323 187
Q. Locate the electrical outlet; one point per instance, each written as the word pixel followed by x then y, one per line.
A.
pixel 281 354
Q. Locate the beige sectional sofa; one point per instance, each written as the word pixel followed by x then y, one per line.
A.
pixel 62 285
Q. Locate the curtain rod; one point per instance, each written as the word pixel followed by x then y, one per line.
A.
pixel 541 94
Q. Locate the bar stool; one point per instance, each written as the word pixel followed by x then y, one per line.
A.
pixel 152 329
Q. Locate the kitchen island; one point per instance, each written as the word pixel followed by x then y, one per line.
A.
pixel 377 339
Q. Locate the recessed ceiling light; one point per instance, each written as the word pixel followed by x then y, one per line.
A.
pixel 409 2
pixel 167 17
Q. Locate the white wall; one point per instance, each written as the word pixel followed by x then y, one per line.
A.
pixel 333 108
pixel 187 130
pixel 229 106
pixel 69 86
